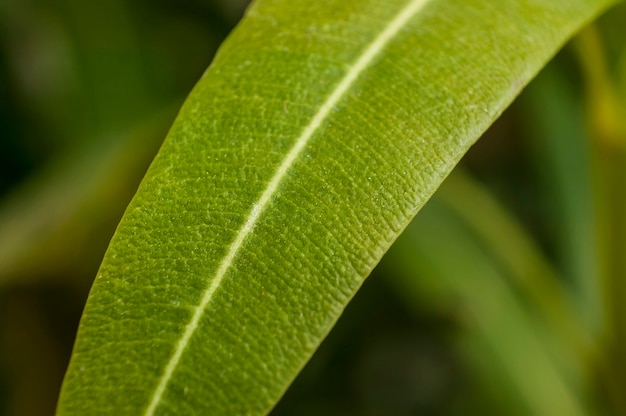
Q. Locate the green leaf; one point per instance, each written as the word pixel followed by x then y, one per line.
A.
pixel 316 135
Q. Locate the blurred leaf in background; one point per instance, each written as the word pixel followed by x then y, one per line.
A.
pixel 501 298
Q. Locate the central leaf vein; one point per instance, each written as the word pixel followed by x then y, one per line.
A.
pixel 365 59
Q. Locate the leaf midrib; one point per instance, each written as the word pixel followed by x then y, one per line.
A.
pixel 365 59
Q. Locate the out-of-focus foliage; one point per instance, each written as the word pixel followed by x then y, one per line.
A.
pixel 87 92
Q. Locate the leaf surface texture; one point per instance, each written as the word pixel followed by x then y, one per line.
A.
pixel 315 136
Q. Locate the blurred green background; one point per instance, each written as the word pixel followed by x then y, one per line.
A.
pixel 506 295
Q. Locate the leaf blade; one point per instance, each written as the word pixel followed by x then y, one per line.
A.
pixel 301 264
